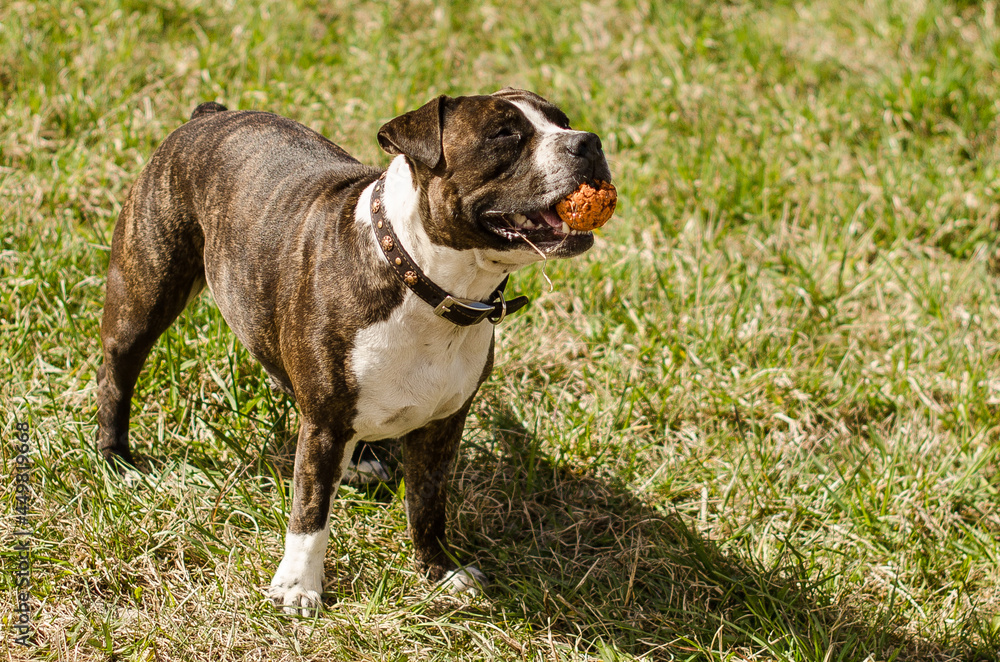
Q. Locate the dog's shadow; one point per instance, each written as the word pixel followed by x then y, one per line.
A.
pixel 590 560
pixel 587 558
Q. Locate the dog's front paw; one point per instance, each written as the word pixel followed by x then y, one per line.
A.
pixel 297 586
pixel 295 600
pixel 469 579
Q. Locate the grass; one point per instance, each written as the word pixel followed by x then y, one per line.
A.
pixel 759 421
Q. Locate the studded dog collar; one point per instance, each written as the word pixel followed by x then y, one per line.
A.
pixel 462 312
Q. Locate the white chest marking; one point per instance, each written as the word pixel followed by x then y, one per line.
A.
pixel 414 368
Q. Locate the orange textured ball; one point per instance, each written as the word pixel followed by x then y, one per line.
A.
pixel 587 207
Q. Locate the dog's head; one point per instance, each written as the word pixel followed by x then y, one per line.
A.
pixel 490 170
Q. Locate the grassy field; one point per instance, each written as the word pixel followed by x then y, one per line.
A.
pixel 759 421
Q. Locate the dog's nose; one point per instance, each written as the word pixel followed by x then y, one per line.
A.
pixel 584 145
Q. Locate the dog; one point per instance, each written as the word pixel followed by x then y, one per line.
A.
pixel 367 295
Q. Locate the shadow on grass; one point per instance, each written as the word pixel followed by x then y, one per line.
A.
pixel 590 560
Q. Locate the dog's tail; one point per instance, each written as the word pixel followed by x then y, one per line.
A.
pixel 207 108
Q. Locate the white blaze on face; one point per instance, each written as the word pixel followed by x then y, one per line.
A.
pixel 550 155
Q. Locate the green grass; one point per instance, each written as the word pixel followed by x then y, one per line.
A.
pixel 759 421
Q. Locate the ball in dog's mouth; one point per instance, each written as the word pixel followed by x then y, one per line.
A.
pixel 589 206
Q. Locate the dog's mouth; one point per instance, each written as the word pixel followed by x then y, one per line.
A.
pixel 541 228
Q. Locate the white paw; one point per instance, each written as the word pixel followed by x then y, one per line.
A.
pixel 469 579
pixel 295 600
pixel 365 472
pixel 297 586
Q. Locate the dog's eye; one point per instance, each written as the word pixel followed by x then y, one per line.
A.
pixel 505 132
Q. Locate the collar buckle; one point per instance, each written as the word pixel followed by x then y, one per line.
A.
pixel 498 317
pixel 473 311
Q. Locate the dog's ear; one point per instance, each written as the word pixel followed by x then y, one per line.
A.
pixel 417 134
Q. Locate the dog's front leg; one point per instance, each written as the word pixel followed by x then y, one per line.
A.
pixel 428 456
pixel 322 453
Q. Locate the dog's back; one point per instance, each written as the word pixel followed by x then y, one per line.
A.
pixel 252 183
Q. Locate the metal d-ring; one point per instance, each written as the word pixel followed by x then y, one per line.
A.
pixel 503 311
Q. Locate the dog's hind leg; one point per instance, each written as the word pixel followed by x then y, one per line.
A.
pixel 367 467
pixel 155 269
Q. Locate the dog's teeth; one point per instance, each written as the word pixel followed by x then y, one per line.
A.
pixel 565 228
pixel 520 220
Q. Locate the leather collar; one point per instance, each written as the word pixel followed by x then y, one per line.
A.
pixel 463 312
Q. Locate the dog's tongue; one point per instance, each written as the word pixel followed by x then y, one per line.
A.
pixel 552 218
